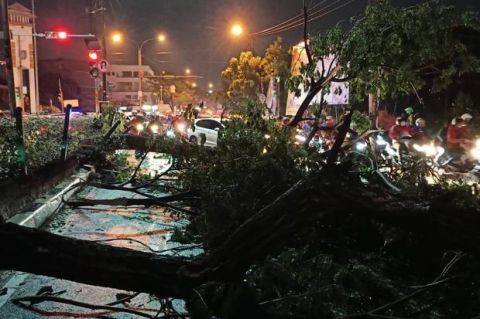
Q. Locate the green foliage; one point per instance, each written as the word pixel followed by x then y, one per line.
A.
pixel 394 49
pixel 360 121
pixel 255 161
pixel 398 51
pixel 276 61
pixel 248 75
pixel 43 141
pixel 244 76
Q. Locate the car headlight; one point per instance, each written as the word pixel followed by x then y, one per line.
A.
pixel 140 127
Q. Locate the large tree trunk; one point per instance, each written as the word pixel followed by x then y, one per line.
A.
pixel 43 253
pixel 309 202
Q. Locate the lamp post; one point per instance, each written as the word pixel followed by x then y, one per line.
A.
pixel 117 37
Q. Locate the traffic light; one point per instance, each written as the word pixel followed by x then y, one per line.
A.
pixel 62 35
pixel 56 35
pixel 93 57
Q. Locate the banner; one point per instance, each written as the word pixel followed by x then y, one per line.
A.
pixel 338 93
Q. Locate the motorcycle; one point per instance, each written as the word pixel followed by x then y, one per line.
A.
pixel 453 162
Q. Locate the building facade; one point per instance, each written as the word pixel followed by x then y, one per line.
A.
pixel 23 57
pixel 123 84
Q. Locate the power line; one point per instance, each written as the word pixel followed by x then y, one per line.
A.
pixel 282 24
pixel 297 19
pixel 309 20
pixel 312 17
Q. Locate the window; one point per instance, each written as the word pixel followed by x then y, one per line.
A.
pixel 203 124
pixel 215 124
pixel 126 74
pixel 209 124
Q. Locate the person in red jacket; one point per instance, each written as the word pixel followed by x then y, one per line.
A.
pixel 456 140
pixel 399 133
pixel 401 130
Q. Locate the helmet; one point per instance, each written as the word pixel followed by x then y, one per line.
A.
pixel 409 110
pixel 466 117
pixel 418 121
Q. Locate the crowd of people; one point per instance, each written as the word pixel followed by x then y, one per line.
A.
pixel 457 137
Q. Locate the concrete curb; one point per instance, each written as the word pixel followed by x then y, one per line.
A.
pixel 39 216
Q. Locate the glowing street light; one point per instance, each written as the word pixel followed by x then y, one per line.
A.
pixel 117 37
pixel 187 71
pixel 210 85
pixel 236 30
pixel 194 85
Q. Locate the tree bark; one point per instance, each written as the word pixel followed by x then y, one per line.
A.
pixel 43 253
pixel 332 192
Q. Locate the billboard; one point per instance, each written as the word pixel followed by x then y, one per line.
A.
pixel 338 94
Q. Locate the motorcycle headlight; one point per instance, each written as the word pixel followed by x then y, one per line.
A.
pixel 361 146
pixel 140 127
pixel 300 138
pixel 170 133
pixel 381 141
pixel 181 127
pixel 427 149
pixel 477 143
pixel 390 150
pixel 475 152
pixel 154 128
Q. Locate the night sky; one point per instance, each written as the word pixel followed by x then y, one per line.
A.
pixel 197 30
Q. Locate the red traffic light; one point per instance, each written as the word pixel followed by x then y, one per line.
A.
pixel 62 35
pixel 92 56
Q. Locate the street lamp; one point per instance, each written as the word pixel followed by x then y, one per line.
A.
pixel 187 71
pixel 237 31
pixel 210 85
pixel 194 85
pixel 117 38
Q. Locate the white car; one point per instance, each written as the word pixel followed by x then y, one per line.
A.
pixel 205 131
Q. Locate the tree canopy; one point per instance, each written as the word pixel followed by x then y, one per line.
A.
pixel 249 74
pixel 394 51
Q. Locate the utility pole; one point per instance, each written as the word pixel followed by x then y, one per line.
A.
pixel 104 74
pixel 7 55
pixel 140 77
pixel 35 57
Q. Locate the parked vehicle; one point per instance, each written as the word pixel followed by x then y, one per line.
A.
pixel 204 131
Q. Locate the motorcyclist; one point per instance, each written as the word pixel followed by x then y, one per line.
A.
pixel 421 134
pixel 467 131
pixel 137 124
pixel 400 133
pixel 409 115
pixel 456 144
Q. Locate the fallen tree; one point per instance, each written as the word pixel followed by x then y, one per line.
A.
pixel 314 200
